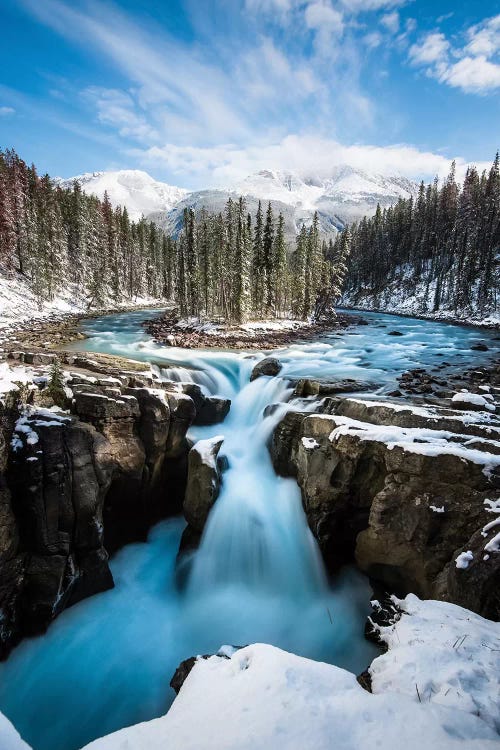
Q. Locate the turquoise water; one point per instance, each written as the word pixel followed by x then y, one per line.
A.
pixel 107 662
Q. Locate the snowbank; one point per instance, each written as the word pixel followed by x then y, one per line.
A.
pixel 9 738
pixel 440 653
pixel 405 296
pixel 19 303
pixel 263 697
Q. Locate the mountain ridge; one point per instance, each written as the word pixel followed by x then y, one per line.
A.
pixel 345 195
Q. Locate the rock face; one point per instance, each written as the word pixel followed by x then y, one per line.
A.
pixel 402 499
pixel 75 487
pixel 268 366
pixel 476 585
pixel 60 472
pixel 203 482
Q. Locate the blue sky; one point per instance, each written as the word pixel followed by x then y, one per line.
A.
pixel 203 92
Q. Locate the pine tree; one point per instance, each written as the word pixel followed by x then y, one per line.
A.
pixel 268 257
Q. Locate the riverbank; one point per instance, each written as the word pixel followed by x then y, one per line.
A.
pixel 50 332
pixel 491 322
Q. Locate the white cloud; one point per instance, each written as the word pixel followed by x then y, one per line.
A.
pixel 118 108
pixel 6 111
pixel 472 74
pixel 471 68
pixel 373 39
pixel 431 49
pixel 308 155
pixel 391 21
pixel 326 22
pixel 359 6
pixel 484 38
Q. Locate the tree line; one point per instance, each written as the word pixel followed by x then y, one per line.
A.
pixel 239 267
pixel 229 264
pixel 57 237
pixel 444 243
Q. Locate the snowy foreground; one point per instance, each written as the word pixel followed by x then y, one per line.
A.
pixel 437 687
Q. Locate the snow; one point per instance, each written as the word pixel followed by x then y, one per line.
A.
pixel 9 738
pixel 11 377
pixel 309 443
pixel 492 506
pixel 272 325
pixel 489 526
pixel 263 697
pixel 404 295
pixel 133 188
pixel 468 417
pixel 448 654
pixel 464 397
pixel 205 448
pixel 19 303
pixel 346 193
pixel 463 560
pixel 425 442
pixel 493 545
pixel 437 510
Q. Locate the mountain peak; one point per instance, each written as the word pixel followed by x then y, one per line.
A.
pixel 135 189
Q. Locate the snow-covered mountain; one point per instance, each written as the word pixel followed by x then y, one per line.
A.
pixel 345 195
pixel 136 190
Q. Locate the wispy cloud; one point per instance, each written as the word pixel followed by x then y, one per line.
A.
pixel 6 111
pixel 308 155
pixel 289 83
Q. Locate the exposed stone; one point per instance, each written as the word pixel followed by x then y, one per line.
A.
pixel 308 387
pixel 475 587
pixel 403 510
pixel 61 470
pixel 267 366
pixel 182 415
pixel 203 481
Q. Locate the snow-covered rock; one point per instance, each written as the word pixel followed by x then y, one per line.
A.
pixel 474 400
pixel 262 697
pixel 137 190
pixel 440 653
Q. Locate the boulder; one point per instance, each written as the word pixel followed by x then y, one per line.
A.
pixel 203 482
pixel 213 410
pixel 267 366
pixel 182 416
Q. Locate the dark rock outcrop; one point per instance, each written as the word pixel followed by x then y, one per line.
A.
pixel 476 586
pixel 401 500
pixel 203 482
pixel 77 487
pixel 267 366
pixel 60 472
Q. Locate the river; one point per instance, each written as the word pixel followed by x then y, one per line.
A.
pixel 106 662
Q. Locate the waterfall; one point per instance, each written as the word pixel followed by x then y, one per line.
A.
pixel 257 535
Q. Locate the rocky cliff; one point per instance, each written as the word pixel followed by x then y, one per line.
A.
pixel 76 483
pixel 411 492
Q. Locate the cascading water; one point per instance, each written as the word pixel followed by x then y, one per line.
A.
pixel 257 535
pixel 106 662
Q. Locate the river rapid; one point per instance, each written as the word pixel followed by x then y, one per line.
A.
pixel 257 576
